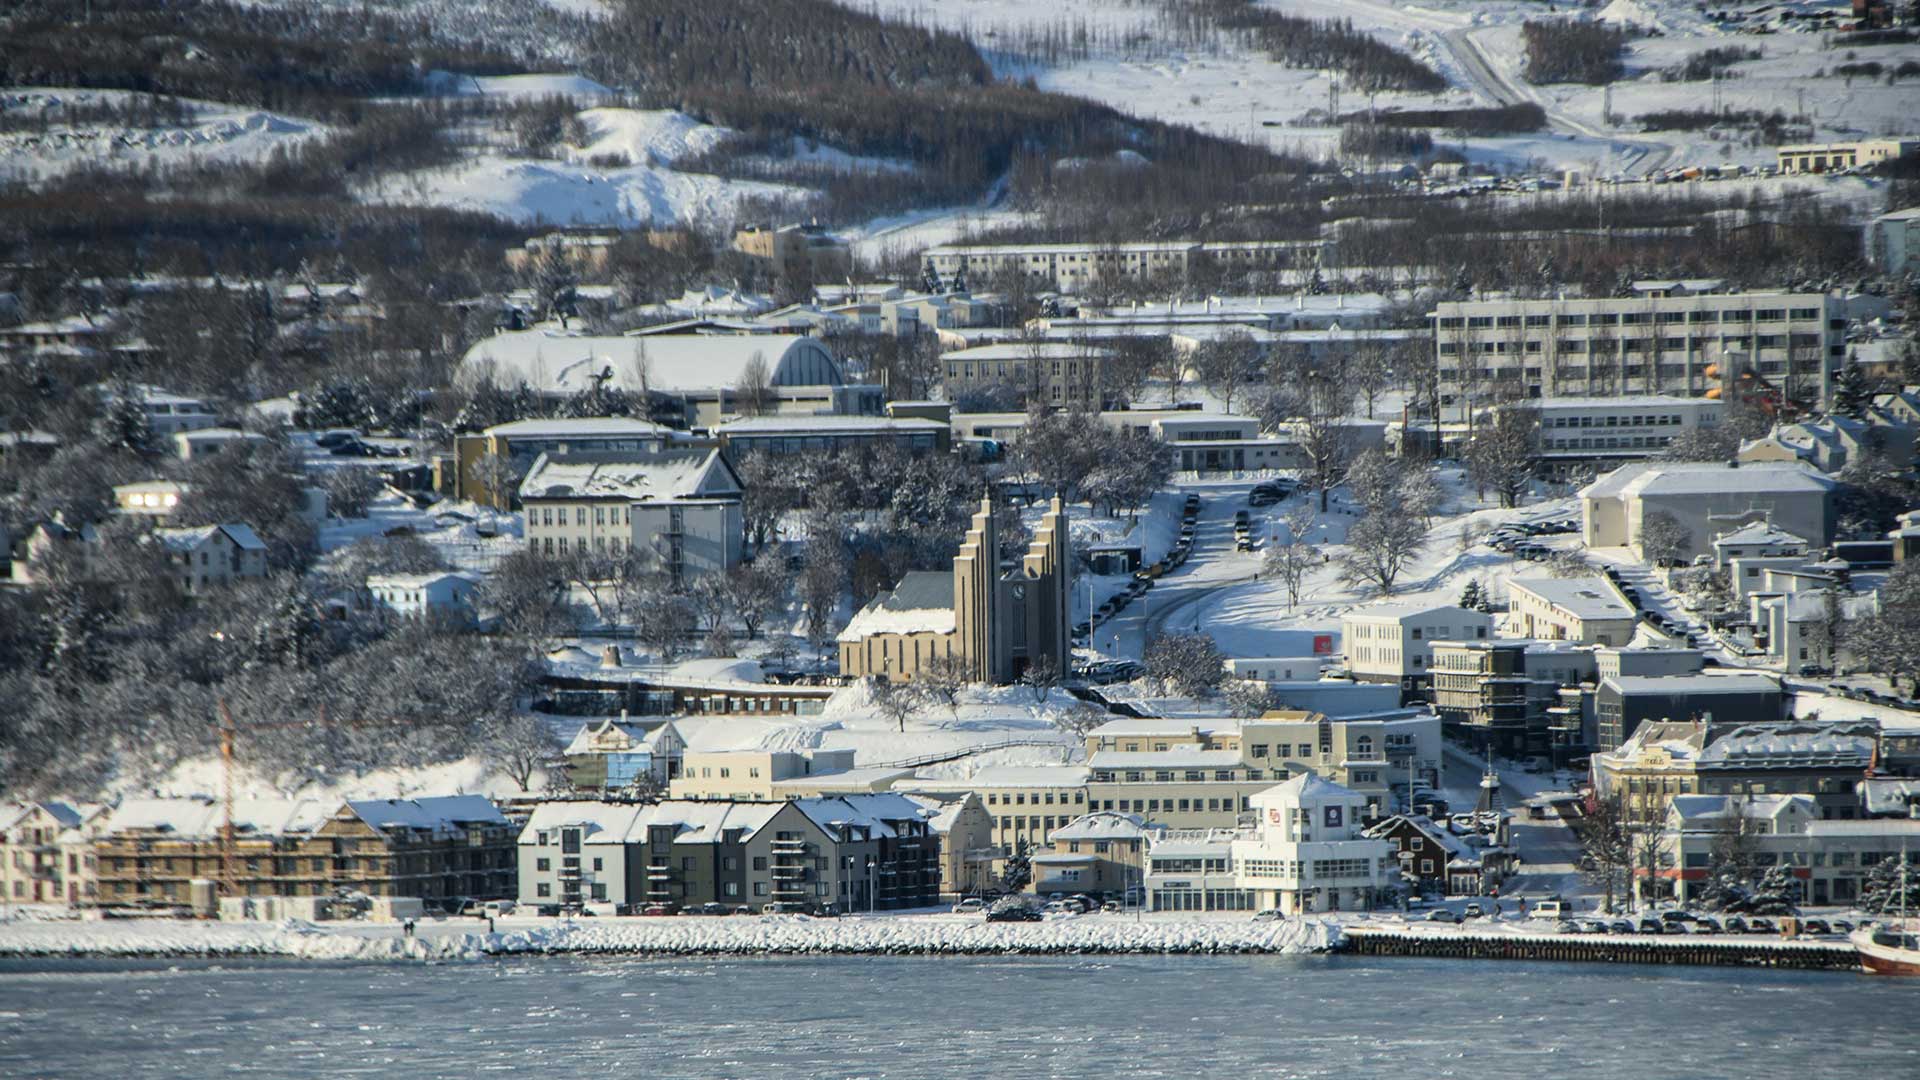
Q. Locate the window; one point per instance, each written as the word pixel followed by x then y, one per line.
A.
pixel 542 865
pixel 759 862
pixel 731 888
pixel 543 889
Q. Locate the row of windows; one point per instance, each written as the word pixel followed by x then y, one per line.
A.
pixel 1635 420
pixel 1534 346
pixel 602 515
pixel 1633 318
pixel 1019 798
pixel 612 544
pixel 1610 442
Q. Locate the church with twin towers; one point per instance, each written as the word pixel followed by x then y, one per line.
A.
pixel 997 619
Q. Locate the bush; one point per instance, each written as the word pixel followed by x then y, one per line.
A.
pixel 1366 62
pixel 1382 141
pixel 1561 51
pixel 1499 120
pixel 1702 66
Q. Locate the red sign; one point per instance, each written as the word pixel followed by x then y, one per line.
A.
pixel 1273 814
pixel 1322 644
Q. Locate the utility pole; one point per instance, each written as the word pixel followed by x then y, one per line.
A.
pixel 229 879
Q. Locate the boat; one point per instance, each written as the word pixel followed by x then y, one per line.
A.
pixel 1891 948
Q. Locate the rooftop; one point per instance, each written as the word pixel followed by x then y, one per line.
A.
pixel 1101 825
pixel 1739 683
pixel 1004 776
pixel 1187 756
pixel 1583 598
pixel 576 427
pixel 921 603
pixel 629 474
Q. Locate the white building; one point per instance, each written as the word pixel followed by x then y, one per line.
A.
pixel 170 414
pixel 151 498
pixel 1893 239
pixel 46 856
pixel 679 508
pixel 1587 610
pixel 213 555
pixel 1394 642
pixel 1706 499
pixel 616 754
pixel 1759 539
pixel 1606 431
pixel 1309 851
pixel 445 593
pixel 1660 341
pixel 208 441
pixel 581 844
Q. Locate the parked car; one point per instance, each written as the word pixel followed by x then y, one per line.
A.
pixel 1762 926
pixel 657 909
pixel 1735 925
pixel 1268 915
pixel 1619 926
pixel 1014 913
pixel 1652 925
pixel 1816 926
pixel 1676 916
pixel 1472 911
pixel 1442 915
pixel 1706 924
pixel 1842 926
pixel 970 906
pixel 1593 926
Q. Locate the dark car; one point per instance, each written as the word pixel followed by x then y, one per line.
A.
pixel 1014 913
pixel 1653 926
pixel 1816 926
pixel 1762 926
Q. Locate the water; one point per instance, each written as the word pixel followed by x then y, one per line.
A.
pixel 888 1017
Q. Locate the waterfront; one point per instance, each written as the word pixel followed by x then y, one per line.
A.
pixel 894 1017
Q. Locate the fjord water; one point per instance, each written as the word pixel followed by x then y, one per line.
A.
pixel 891 1017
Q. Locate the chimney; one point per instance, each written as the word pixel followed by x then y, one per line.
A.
pixel 610 657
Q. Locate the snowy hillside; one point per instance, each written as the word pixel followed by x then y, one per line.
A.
pixel 211 134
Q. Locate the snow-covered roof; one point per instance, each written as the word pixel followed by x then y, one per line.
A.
pixel 877 813
pixel 428 814
pixel 651 737
pixel 1406 609
pixel 1731 683
pixel 1681 478
pixel 1025 350
pixel 1709 810
pixel 203 818
pixel 1163 725
pixel 1189 756
pixel 191 538
pixel 578 427
pixel 1302 788
pixel 1582 597
pixel 599 822
pixel 697 822
pixel 921 604
pixel 1890 794
pixel 823 425
pixel 1759 532
pixel 635 475
pixel 218 434
pixel 1004 776
pixel 414 581
pixel 1783 746
pixel 1101 825
pixel 557 361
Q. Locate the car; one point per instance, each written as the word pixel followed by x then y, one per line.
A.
pixel 1706 925
pixel 1652 925
pixel 1014 913
pixel 1619 926
pixel 1842 926
pixel 1262 498
pixel 970 906
pixel 657 909
pixel 1243 544
pixel 1762 926
pixel 1593 926
pixel 778 907
pixel 1734 924
pixel 1113 906
pixel 714 907
pixel 1472 911
pixel 1568 926
pixel 1240 517
pixel 1442 915
pixel 1816 926
pixel 1087 903
pixel 1268 915
pixel 1676 916
pixel 1082 629
pixel 547 911
pixel 1060 907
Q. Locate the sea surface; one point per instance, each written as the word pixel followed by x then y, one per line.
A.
pixel 888 1017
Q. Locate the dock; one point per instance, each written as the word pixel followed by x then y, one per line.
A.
pixel 1732 951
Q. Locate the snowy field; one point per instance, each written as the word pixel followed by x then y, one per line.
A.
pixel 458 939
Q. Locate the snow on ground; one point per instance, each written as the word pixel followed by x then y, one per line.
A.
pixel 213 134
pixel 563 84
pixel 534 192
pixel 201 777
pixel 468 536
pixel 454 939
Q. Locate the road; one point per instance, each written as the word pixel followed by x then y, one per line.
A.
pixel 1495 84
pixel 1178 601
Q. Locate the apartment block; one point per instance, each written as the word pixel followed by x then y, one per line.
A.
pixel 1670 338
pixel 1056 373
pixel 1394 642
pixel 1577 434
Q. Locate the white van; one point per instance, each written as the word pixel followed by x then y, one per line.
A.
pixel 1554 908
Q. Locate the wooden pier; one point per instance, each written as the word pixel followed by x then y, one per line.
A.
pixel 1734 951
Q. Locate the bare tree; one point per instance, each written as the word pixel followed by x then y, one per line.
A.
pixel 711 600
pixel 1292 559
pixel 1379 548
pixel 1663 540
pixel 1245 698
pixel 1606 841
pixel 1370 372
pixel 895 701
pixel 1225 364
pixel 1041 676
pixel 1190 664
pixel 1502 449
pixel 528 595
pixel 517 745
pixel 756 592
pixel 664 618
pixel 942 679
pixel 753 394
pixel 596 572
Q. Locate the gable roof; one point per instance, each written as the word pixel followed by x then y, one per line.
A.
pixel 556 361
pixel 636 475
pixel 921 603
pixel 429 814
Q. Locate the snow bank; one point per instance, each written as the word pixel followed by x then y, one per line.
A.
pixel 740 935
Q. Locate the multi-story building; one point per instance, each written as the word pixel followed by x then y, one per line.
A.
pixel 1622 703
pixel 1826 762
pixel 1705 499
pixel 774 775
pixel 1893 241
pixel 960 821
pixel 853 853
pixel 787 435
pixel 1102 854
pixel 1589 610
pixel 438 849
pixel 1192 870
pixel 1826 157
pixel 39 861
pixel 679 509
pixel 211 556
pixel 1582 434
pixel 1503 690
pixel 1061 374
pixel 1436 861
pixel 1756 540
pixel 442 594
pixel 1309 850
pixel 1063 267
pixel 1026 803
pixel 1829 859
pixel 1674 340
pixel 488 467
pixel 804 252
pixel 1394 642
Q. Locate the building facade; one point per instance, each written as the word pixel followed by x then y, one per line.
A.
pixel 676 509
pixel 1059 374
pixel 1309 851
pixel 1588 610
pixel 1394 642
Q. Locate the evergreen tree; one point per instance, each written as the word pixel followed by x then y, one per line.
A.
pixel 288 635
pixel 125 425
pixel 1880 893
pixel 1019 871
pixel 1851 393
pixel 1470 596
